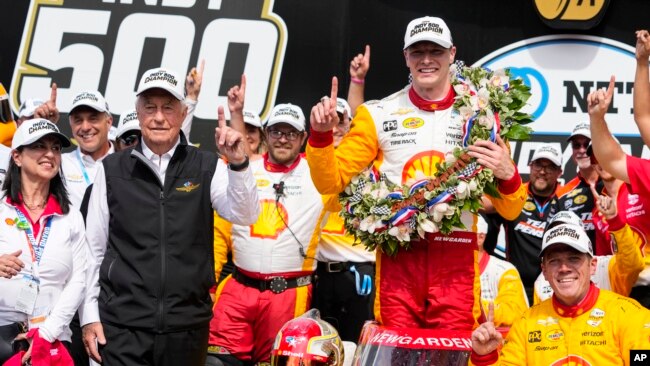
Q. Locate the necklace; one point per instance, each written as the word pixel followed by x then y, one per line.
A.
pixel 34 206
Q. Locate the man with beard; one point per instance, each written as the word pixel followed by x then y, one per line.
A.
pixel 275 257
pixel 576 195
pixel 524 235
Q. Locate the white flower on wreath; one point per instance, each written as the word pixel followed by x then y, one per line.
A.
pixel 499 78
pixel 440 210
pixel 380 192
pixel 466 112
pixel 483 83
pixel 483 96
pixel 401 232
pixel 487 120
pixel 426 226
pixel 473 186
pixel 369 224
pixel 461 89
pixel 450 157
pixel 462 190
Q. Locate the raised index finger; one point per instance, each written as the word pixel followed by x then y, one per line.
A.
pixel 53 93
pixel 221 117
pixel 366 54
pixel 490 314
pixel 610 88
pixel 335 89
pixel 201 66
pixel 242 85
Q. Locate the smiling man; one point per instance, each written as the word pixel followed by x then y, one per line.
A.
pixel 275 257
pixel 432 285
pixel 581 324
pixel 576 195
pixel 524 235
pixel 90 121
pixel 150 235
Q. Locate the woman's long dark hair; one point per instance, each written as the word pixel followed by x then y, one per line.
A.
pixel 12 185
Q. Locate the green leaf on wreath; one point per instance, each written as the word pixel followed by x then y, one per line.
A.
pixel 519 133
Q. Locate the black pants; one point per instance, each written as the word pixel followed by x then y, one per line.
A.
pixel 7 335
pixel 335 296
pixel 77 349
pixel 130 347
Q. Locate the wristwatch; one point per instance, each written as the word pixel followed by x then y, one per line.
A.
pixel 239 167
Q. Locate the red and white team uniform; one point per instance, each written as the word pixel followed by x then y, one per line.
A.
pixel 436 283
pixel 274 260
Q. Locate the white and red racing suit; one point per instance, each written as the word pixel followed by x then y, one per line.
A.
pixel 278 250
pixel 436 282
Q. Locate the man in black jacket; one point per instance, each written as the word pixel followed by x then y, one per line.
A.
pixel 149 231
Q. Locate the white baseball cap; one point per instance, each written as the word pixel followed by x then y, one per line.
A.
pixel 581 129
pixel 252 119
pixel 564 217
pixel 343 106
pixel 128 122
pixel 163 79
pixel 287 113
pixel 567 234
pixel 33 130
pixel 28 107
pixel 481 225
pixel 430 29
pixel 92 99
pixel 112 133
pixel 550 152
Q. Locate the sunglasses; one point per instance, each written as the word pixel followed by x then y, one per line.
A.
pixel 577 145
pixel 130 140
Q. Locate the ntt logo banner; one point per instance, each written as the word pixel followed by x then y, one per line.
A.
pixel 561 71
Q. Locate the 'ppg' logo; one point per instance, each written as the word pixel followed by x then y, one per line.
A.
pixel 571 14
pixel 390 125
pixel 535 337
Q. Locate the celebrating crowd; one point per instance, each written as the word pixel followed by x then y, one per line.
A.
pixel 141 249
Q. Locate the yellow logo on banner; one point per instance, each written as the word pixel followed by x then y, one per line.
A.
pixel 571 14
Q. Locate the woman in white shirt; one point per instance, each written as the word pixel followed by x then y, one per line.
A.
pixel 42 244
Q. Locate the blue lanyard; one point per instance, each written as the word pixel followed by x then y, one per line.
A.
pixel 36 248
pixel 542 207
pixel 83 168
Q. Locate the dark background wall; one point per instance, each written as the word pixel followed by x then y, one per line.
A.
pixel 324 35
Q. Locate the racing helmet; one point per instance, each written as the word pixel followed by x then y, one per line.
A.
pixel 307 341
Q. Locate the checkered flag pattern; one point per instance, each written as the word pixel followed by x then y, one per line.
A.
pixel 356 197
pixel 380 210
pixel 459 66
pixel 469 171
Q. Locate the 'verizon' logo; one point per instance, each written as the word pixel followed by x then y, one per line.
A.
pixel 562 70
pixel 571 14
pixel 107 45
